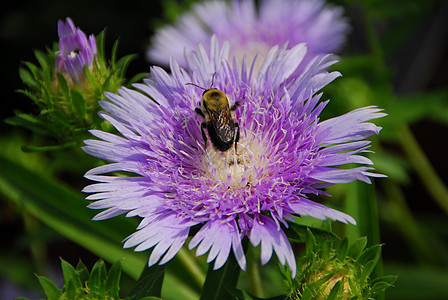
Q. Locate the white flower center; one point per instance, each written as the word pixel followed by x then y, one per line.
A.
pixel 251 50
pixel 238 169
pixel 74 53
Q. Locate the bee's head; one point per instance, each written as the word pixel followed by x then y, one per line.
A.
pixel 215 99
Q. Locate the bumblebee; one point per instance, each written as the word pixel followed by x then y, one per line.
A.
pixel 219 122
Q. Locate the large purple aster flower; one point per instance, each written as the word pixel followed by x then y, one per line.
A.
pixel 284 153
pixel 253 32
pixel 75 50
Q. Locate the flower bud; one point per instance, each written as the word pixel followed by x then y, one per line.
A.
pixel 76 51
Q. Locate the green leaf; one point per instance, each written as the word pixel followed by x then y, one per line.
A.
pixel 82 271
pixel 310 243
pixel 71 277
pixel 97 279
pixel 307 294
pixel 64 86
pixel 219 282
pixel 101 41
pixel 78 103
pixel 357 247
pixel 380 287
pixel 390 279
pixel 43 59
pixel 149 284
pixel 372 253
pixel 51 290
pixel 342 251
pixel 28 79
pixel 136 78
pixel 367 270
pixel 123 64
pixel 335 290
pixel 31 96
pixel 30 122
pixel 113 58
pixel 113 280
pixel 96 88
pixel 70 291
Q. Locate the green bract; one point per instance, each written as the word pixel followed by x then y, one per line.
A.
pixel 79 284
pixel 325 273
pixel 68 109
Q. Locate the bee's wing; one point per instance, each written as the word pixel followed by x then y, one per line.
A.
pixel 223 123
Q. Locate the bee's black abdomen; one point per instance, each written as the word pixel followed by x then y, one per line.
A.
pixel 216 140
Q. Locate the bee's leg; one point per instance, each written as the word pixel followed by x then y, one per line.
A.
pixel 203 125
pixel 199 112
pixel 237 138
pixel 236 105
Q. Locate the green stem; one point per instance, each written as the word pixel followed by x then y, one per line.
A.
pixel 434 185
pixel 192 266
pixel 253 271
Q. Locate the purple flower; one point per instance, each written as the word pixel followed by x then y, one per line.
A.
pixel 284 154
pixel 251 32
pixel 75 50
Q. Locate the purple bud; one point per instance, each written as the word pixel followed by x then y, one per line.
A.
pixel 75 50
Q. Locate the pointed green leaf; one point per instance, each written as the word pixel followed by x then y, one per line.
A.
pixel 30 122
pixel 113 280
pixel 367 270
pixel 307 294
pixel 218 282
pixel 51 290
pixel 71 277
pixel 136 78
pixel 63 84
pixel 43 59
pixel 97 279
pixel 390 279
pixel 28 79
pixel 123 64
pixel 380 287
pixel 310 243
pixel 82 271
pixel 342 251
pixel 78 103
pixel 107 85
pixel 92 81
pixel 30 96
pixel 335 290
pixel 114 54
pixel 357 247
pixel 70 291
pixel 149 284
pixel 101 41
pixel 322 281
pixel 372 253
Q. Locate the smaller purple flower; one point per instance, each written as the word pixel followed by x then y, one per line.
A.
pixel 75 50
pixel 252 30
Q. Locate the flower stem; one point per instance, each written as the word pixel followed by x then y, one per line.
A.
pixel 191 265
pixel 253 271
pixel 434 185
